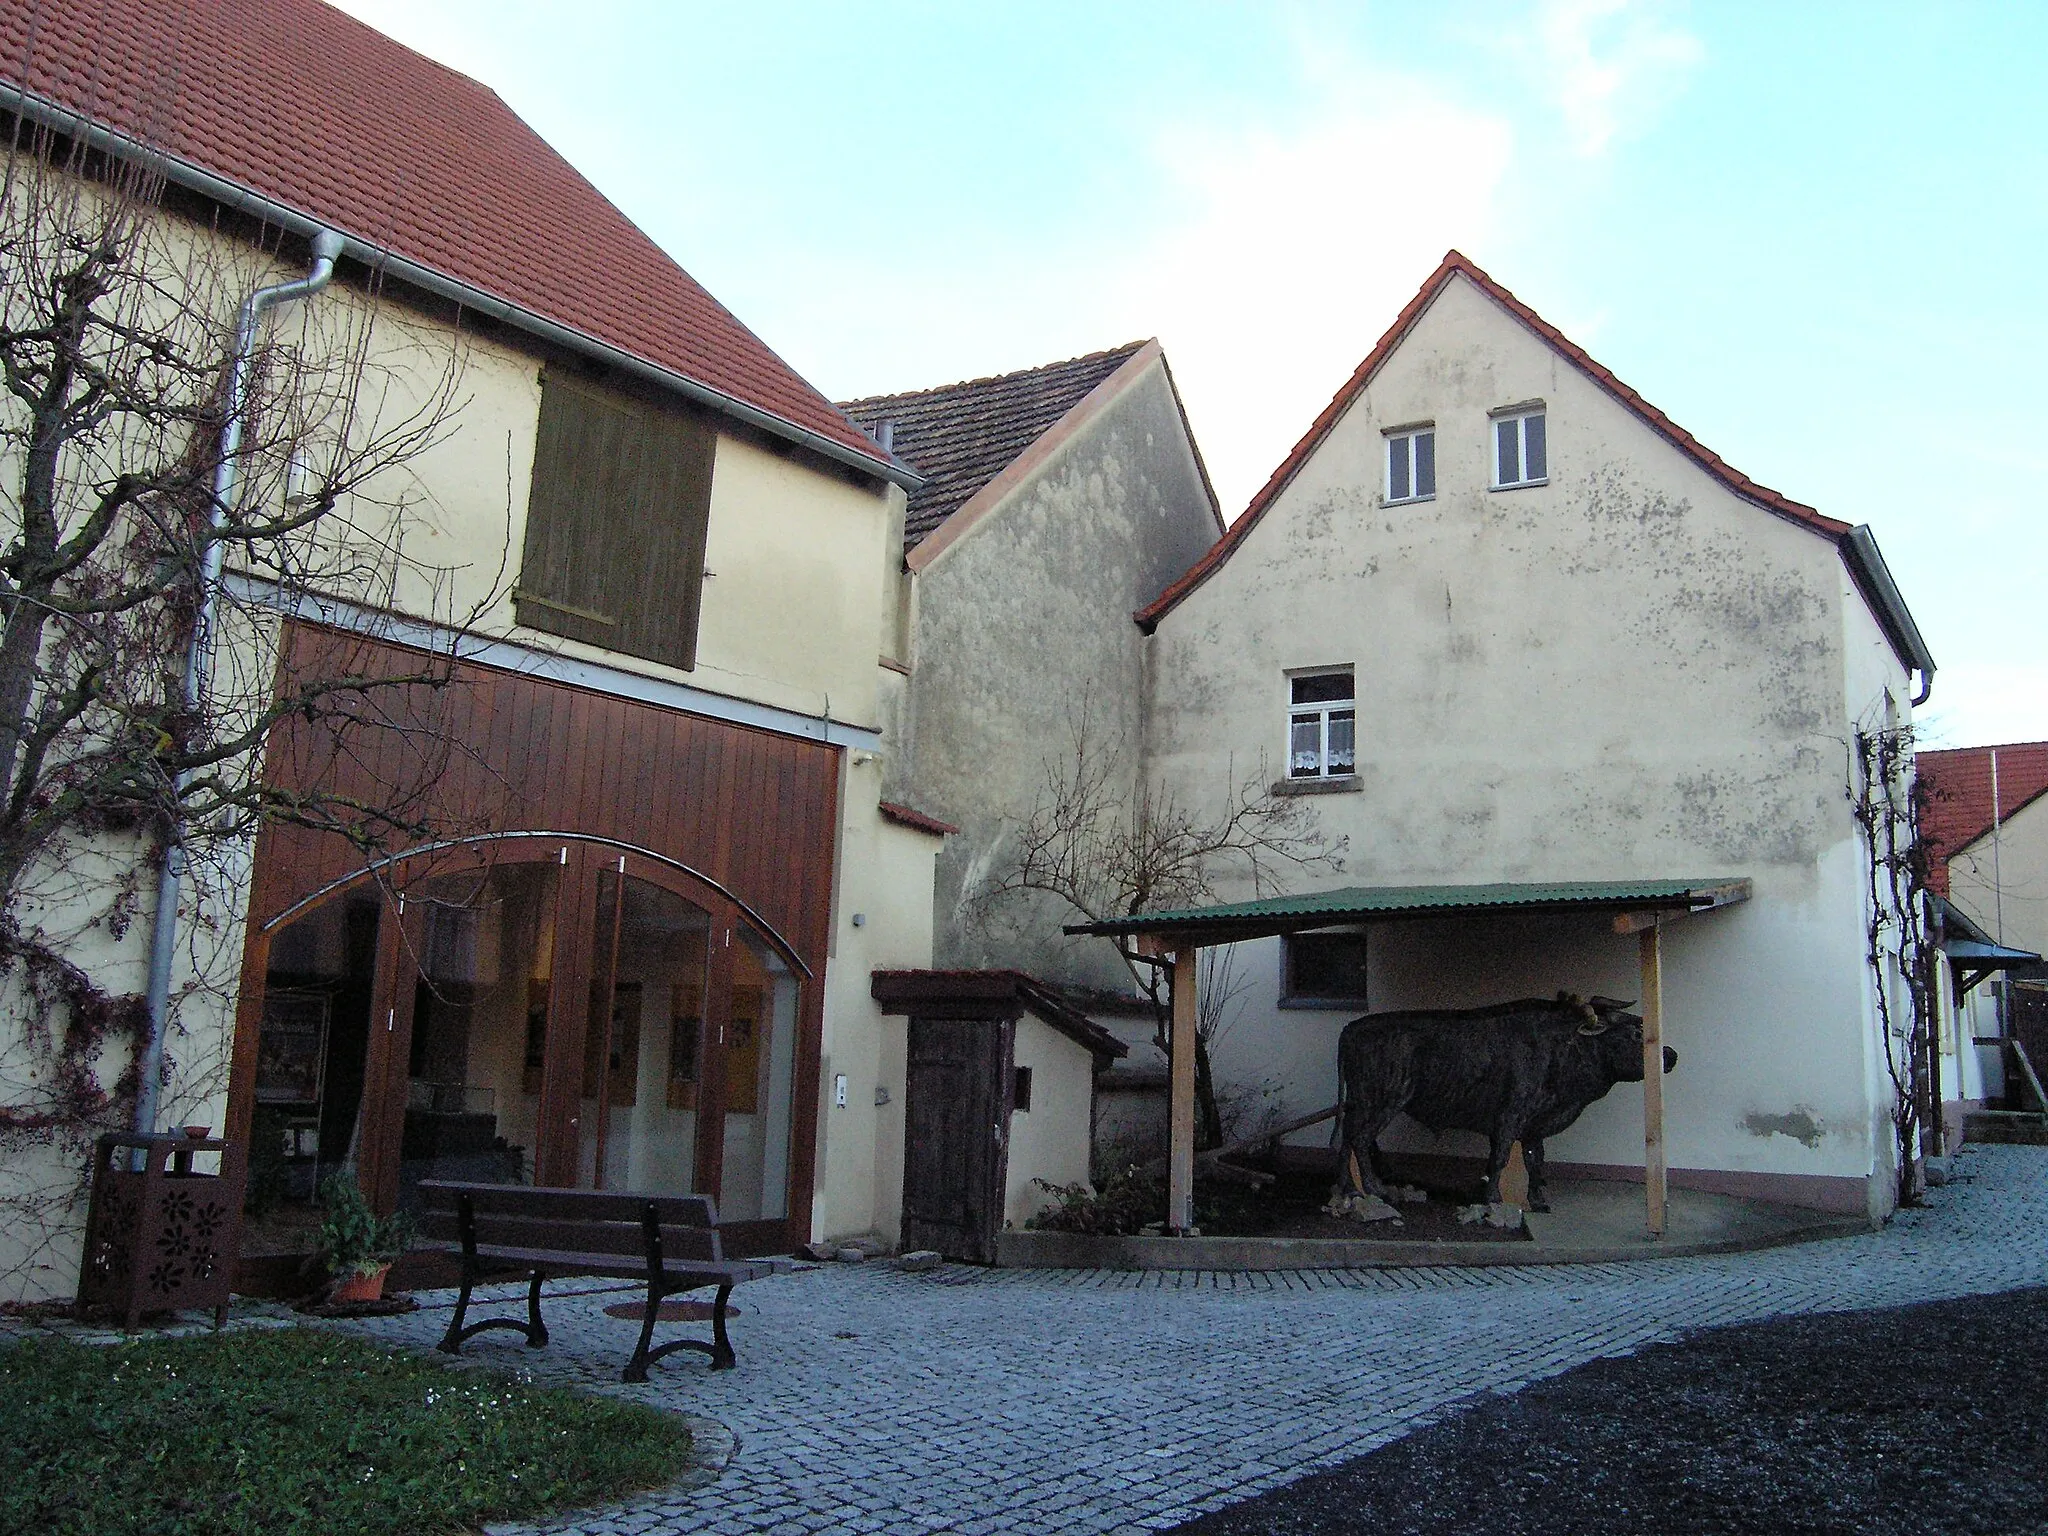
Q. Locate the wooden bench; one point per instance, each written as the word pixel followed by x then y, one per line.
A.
pixel 669 1241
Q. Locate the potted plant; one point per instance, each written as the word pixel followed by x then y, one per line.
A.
pixel 356 1244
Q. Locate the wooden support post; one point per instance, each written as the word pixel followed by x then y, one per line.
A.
pixel 1652 958
pixel 1180 1146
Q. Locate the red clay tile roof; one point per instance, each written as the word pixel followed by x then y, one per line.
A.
pixel 961 436
pixel 311 109
pixel 1958 809
pixel 904 816
pixel 1456 265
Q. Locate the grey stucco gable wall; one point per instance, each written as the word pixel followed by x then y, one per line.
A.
pixel 1020 630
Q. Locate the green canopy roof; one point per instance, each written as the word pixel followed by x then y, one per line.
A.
pixel 1234 921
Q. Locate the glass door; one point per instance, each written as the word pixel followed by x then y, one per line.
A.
pixel 312 1116
pixel 482 945
pixel 642 1088
pixel 760 1076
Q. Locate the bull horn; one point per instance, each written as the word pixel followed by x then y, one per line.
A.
pixel 1610 1002
pixel 1593 1024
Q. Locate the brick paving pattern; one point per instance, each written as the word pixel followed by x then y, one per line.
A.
pixel 971 1401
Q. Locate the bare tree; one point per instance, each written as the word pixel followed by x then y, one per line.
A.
pixel 119 561
pixel 1109 842
pixel 1886 802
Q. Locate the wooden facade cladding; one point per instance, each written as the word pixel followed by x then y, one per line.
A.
pixel 494 751
pixel 487 757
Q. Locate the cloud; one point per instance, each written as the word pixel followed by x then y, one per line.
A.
pixel 1290 248
pixel 1609 66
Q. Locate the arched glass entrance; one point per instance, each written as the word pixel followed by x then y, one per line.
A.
pixel 531 1010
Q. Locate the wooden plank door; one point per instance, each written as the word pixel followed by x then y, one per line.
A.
pixel 957 1135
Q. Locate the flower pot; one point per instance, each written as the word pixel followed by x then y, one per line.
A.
pixel 354 1287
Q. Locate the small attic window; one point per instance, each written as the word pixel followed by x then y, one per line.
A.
pixel 1411 464
pixel 1521 451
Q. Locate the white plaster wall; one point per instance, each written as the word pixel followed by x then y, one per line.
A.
pixel 885 875
pixel 2007 895
pixel 1625 673
pixel 1049 1141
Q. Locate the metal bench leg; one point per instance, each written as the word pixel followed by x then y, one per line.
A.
pixel 722 1357
pixel 636 1368
pixel 536 1330
pixel 451 1341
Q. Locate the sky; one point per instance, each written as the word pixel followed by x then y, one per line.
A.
pixel 1811 233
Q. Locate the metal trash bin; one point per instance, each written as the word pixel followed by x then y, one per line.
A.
pixel 161 1237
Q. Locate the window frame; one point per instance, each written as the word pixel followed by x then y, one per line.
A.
pixel 1401 442
pixel 1291 995
pixel 1519 416
pixel 1321 710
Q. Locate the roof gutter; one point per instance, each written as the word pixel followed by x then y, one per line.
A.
pixel 1866 565
pixel 245 199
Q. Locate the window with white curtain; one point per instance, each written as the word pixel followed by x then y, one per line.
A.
pixel 1322 725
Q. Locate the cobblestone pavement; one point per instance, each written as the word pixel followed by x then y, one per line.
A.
pixel 973 1401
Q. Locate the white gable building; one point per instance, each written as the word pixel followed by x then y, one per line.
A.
pixel 1509 624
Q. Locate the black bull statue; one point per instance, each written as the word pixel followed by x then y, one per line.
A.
pixel 1514 1072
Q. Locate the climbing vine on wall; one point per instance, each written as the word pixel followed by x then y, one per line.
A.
pixel 124 493
pixel 1899 947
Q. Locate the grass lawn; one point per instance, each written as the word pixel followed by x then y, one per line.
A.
pixel 301 1430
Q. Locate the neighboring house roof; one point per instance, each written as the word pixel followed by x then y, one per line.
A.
pixel 321 120
pixel 961 437
pixel 917 821
pixel 1858 550
pixel 1958 810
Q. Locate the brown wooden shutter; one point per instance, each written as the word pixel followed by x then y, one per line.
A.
pixel 616 522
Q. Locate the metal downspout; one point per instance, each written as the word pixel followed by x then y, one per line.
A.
pixel 163 936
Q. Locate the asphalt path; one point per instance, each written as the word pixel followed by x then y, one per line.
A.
pixel 1922 1418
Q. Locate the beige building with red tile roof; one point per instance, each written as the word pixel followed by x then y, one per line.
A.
pixel 639 955
pixel 1985 821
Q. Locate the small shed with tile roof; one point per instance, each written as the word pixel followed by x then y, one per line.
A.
pixel 1972 791
pixel 1984 815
